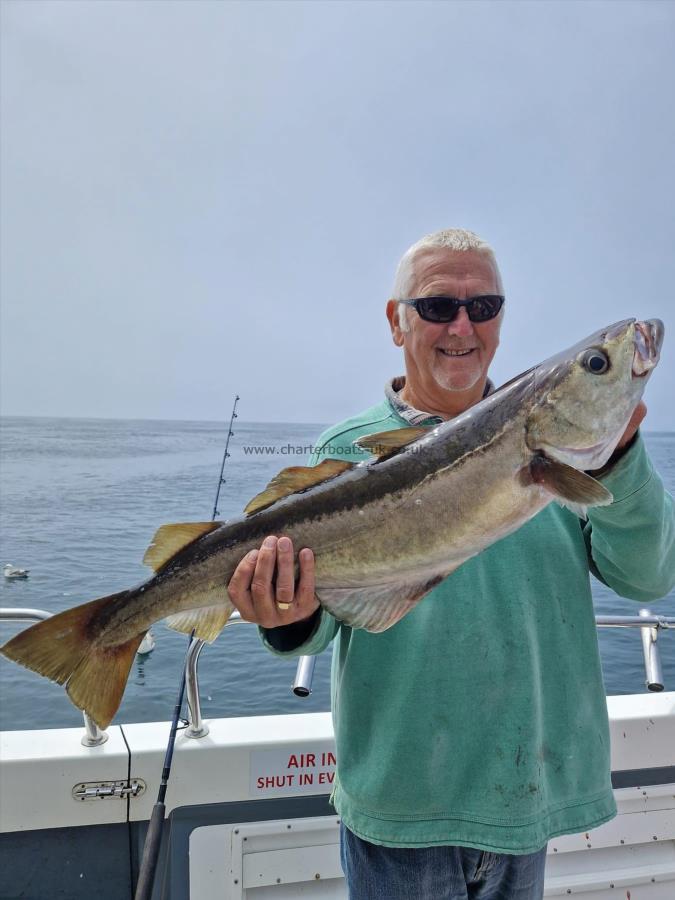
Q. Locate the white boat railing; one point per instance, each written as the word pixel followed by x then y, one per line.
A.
pixel 649 626
pixel 648 623
pixel 197 727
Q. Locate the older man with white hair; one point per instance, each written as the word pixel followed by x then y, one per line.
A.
pixel 475 729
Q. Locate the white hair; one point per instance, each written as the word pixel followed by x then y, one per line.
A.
pixel 458 239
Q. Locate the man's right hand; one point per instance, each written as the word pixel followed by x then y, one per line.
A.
pixel 272 601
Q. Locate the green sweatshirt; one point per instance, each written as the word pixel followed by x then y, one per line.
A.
pixel 480 718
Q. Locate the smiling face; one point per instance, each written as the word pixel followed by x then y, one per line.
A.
pixel 447 365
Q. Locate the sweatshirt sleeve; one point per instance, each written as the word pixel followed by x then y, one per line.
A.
pixel 631 542
pixel 301 638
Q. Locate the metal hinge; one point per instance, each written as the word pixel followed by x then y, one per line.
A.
pixel 99 790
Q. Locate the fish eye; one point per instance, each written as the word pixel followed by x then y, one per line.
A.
pixel 595 361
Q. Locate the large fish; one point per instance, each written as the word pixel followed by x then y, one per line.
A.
pixel 384 532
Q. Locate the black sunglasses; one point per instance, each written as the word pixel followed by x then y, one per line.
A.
pixel 445 309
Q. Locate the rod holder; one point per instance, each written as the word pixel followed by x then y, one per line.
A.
pixel 304 674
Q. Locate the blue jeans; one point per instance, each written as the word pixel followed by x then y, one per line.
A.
pixel 438 873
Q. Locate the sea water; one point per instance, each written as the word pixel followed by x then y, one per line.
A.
pixel 80 502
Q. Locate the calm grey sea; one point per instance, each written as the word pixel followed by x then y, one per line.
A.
pixel 81 499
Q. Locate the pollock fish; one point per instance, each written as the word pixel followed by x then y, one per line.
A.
pixel 385 531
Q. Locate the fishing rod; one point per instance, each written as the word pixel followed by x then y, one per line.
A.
pixel 153 837
pixel 221 480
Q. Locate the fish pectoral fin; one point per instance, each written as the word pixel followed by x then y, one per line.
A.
pixel 171 539
pixel 206 621
pixel 571 488
pixel 295 479
pixel 377 607
pixel 387 443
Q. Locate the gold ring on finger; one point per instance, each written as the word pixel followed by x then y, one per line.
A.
pixel 283 605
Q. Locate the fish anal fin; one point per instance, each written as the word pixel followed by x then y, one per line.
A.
pixel 295 479
pixel 387 443
pixel 64 649
pixel 571 488
pixel 377 607
pixel 171 539
pixel 206 621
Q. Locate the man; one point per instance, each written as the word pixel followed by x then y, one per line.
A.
pixel 475 729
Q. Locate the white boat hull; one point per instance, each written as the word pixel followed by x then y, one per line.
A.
pixel 244 829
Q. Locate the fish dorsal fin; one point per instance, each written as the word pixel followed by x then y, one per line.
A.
pixel 171 539
pixel 295 479
pixel 571 488
pixel 387 443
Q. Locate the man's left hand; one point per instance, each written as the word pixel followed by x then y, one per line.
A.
pixel 639 413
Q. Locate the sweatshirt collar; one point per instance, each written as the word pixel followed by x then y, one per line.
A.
pixel 392 391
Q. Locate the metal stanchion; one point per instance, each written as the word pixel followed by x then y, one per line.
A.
pixel 196 728
pixel 653 672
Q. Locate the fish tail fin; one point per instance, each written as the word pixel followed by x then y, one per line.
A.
pixel 64 649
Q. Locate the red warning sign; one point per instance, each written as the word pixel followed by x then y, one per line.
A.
pixel 305 770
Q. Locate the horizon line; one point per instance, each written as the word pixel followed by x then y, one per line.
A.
pixel 223 422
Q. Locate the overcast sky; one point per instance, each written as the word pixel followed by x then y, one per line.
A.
pixel 203 198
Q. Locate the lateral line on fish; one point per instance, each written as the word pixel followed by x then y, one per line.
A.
pixel 423 482
pixel 475 452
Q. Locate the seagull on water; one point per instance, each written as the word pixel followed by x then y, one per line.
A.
pixel 11 571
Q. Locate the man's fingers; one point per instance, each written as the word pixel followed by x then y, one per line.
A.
pixel 239 587
pixel 285 584
pixel 305 591
pixel 261 586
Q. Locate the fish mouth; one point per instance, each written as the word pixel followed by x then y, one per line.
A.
pixel 648 340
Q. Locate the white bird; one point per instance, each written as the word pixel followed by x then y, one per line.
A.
pixel 147 644
pixel 11 571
